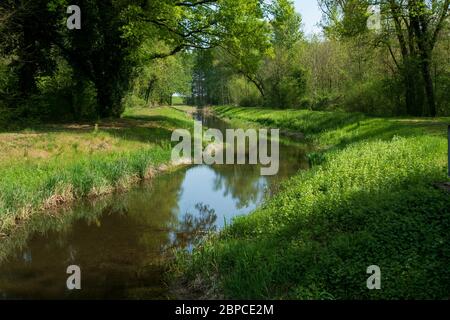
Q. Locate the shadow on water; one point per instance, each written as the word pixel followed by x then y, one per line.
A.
pixel 121 241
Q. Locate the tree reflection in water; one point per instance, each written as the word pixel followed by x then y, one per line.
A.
pixel 192 228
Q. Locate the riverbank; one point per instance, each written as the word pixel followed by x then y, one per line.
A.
pixel 49 166
pixel 371 198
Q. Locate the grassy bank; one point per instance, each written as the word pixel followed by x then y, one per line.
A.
pixel 371 199
pixel 47 166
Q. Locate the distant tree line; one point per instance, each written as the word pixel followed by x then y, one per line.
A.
pixel 48 70
pixel 388 57
pixel 379 57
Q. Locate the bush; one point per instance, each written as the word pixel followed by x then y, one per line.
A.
pixel 376 97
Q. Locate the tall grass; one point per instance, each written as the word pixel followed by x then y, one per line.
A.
pixel 27 186
pixel 371 201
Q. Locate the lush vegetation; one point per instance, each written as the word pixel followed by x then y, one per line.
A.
pixel 50 165
pixel 48 71
pixel 379 57
pixel 376 57
pixel 370 198
pixel 80 116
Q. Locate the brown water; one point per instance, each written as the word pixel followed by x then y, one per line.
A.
pixel 121 242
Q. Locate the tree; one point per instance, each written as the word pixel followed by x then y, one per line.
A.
pixel 427 19
pixel 245 54
pixel 101 51
pixel 27 29
pixel 104 51
pixel 414 24
pixel 156 81
pixel 284 76
pixel 267 58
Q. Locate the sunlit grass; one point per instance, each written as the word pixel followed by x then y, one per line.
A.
pixel 54 164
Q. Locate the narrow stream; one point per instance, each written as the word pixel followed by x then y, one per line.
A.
pixel 121 241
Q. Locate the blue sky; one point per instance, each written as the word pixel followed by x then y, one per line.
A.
pixel 311 14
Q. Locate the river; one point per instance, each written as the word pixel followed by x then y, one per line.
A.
pixel 121 242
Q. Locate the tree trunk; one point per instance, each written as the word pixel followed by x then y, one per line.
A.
pixel 413 94
pixel 420 21
pixel 77 90
pixel 410 96
pixel 28 67
pixel 104 102
pixel 149 90
pixel 429 89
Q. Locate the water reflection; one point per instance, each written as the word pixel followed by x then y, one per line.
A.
pixel 120 241
pixel 242 183
pixel 192 228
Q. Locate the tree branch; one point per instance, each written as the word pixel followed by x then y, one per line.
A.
pixel 440 22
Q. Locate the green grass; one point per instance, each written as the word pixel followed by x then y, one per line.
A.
pixel 176 101
pixel 371 201
pixel 46 166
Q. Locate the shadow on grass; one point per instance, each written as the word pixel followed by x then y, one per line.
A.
pixel 149 129
pixel 380 129
pixel 318 122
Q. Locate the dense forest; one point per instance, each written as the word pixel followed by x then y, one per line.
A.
pixel 387 57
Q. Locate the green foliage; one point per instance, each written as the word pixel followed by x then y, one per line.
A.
pixel 286 81
pixel 371 201
pixel 266 60
pixel 315 158
pixel 118 40
pixel 243 93
pixel 346 18
pixel 408 33
pixel 378 96
pixel 157 81
pixel 124 56
pixel 286 23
